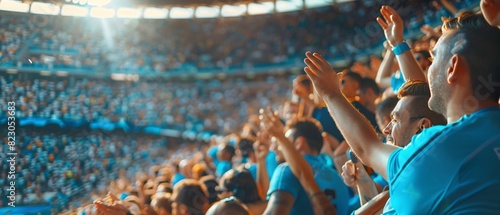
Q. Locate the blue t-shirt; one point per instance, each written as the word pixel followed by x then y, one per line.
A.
pixel 327 178
pixel 271 163
pixel 397 80
pixel 452 169
pixel 326 120
pixel 252 168
pixel 212 152
pixel 223 167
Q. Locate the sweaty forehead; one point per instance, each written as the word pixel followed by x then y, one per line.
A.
pixel 443 40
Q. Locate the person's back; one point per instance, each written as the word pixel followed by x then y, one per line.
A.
pixel 327 178
pixel 460 162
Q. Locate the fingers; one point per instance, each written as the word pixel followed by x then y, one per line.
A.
pixel 316 59
pixel 382 24
pixel 385 13
pixel 311 74
pixel 394 15
pixel 311 66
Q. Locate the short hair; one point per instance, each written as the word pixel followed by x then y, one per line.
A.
pixel 355 76
pixel 245 146
pixel 211 185
pixel 385 106
pixel 192 194
pixel 242 185
pixel 368 83
pixel 162 200
pixel 304 80
pixel 229 148
pixel 418 106
pixel 229 206
pixel 310 129
pixel 477 42
pixel 425 54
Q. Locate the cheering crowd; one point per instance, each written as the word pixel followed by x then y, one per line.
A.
pixel 413 133
pixel 152 46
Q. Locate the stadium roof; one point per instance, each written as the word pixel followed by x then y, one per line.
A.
pixel 163 3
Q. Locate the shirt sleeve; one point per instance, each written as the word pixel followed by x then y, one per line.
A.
pixel 284 180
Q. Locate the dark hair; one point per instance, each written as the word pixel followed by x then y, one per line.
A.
pixel 192 194
pixel 418 106
pixel 309 129
pixel 354 76
pixel 229 148
pixel 243 186
pixel 211 185
pixel 425 54
pixel 304 80
pixel 245 146
pixel 385 107
pixel 368 83
pixel 477 42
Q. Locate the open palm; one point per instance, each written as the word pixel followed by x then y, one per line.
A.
pixel 392 24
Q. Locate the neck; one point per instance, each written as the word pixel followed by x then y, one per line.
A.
pixel 466 106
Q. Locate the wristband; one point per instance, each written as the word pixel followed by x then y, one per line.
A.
pixel 401 48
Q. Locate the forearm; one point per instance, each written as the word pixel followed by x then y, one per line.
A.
pixel 409 67
pixel 298 165
pixel 367 191
pixel 319 202
pixel 385 69
pixel 358 132
pixel 262 178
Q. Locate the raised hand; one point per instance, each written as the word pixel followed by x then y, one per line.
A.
pixel 392 24
pixel 261 146
pixel 271 123
pixel 322 75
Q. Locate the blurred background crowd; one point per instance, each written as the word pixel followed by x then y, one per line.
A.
pixel 75 161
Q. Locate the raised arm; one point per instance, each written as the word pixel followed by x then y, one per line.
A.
pixel 261 149
pixel 298 165
pixel 356 129
pixel 384 72
pixel 392 24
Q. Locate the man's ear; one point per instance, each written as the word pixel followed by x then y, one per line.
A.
pixel 300 143
pixel 456 69
pixel 423 124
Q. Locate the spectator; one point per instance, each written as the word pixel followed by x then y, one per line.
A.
pixel 374 153
pixel 225 156
pixel 189 198
pixel 286 195
pixel 229 206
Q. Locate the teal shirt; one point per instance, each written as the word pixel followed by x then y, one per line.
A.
pixel 328 180
pixel 452 169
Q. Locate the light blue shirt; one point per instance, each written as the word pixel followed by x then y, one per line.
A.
pixel 223 167
pixel 328 180
pixel 271 163
pixel 452 169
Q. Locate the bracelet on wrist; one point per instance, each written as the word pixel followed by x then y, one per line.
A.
pixel 401 48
